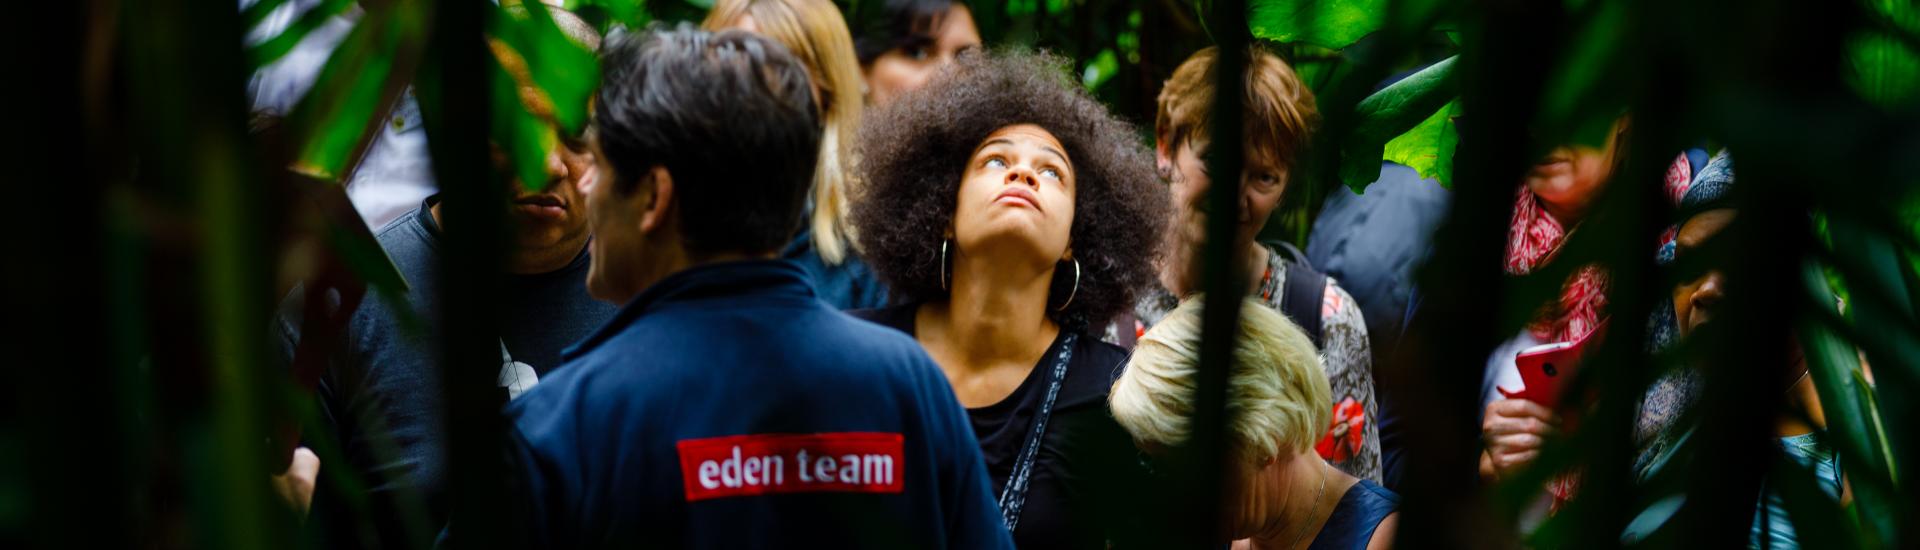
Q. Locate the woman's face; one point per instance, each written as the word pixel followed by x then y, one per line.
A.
pixel 1016 196
pixel 1260 192
pixel 903 70
pixel 1571 176
pixel 1695 301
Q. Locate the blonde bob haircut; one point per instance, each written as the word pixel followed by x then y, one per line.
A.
pixel 1278 401
pixel 816 34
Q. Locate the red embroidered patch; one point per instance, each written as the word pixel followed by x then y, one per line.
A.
pixel 765 464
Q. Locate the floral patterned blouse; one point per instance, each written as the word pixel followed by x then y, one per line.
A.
pixel 1352 443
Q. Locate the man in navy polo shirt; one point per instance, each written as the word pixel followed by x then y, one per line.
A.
pixel 724 405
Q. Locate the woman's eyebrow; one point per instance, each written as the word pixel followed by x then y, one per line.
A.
pixel 1009 143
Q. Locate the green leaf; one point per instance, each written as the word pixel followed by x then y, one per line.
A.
pixel 1393 111
pixel 525 138
pixel 257 12
pixel 1886 69
pixel 1852 411
pixel 1428 148
pixel 1580 102
pixel 565 72
pixel 1101 69
pixel 347 95
pixel 273 48
pixel 1328 23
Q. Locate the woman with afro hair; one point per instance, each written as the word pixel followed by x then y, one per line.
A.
pixel 1009 212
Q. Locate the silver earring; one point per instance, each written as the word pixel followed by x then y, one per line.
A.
pixel 1076 286
pixel 943 264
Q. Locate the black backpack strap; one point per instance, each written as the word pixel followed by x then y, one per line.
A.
pixel 1302 294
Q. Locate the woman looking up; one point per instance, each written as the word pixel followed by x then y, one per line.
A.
pixel 1010 212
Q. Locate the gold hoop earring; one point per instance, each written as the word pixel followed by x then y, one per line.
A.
pixel 1076 286
pixel 943 263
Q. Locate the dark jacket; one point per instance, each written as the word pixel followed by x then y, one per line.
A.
pixel 685 421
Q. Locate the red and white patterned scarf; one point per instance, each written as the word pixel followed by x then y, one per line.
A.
pixel 1533 239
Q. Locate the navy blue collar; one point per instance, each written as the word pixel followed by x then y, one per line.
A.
pixel 759 279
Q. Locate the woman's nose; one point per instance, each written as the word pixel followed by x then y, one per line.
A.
pixel 1021 175
pixel 1709 293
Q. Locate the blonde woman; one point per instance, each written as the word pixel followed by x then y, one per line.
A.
pixel 815 32
pixel 1282 495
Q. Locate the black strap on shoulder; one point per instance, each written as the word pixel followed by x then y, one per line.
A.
pixel 1302 294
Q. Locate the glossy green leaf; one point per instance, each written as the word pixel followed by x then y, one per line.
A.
pixel 1327 23
pixel 1393 111
pixel 1428 148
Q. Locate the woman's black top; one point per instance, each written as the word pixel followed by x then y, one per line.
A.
pixel 1077 496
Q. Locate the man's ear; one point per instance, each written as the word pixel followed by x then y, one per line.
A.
pixel 655 206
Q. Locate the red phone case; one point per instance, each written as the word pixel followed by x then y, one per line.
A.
pixel 1546 372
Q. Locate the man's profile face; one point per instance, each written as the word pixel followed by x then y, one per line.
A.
pixel 619 247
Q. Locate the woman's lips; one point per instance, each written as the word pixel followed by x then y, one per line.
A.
pixel 1018 195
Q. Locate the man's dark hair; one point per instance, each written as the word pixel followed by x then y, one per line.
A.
pixel 915 152
pixel 887 25
pixel 731 117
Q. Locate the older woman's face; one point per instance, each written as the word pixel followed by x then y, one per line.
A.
pixel 1695 301
pixel 906 69
pixel 1571 176
pixel 1263 184
pixel 1016 196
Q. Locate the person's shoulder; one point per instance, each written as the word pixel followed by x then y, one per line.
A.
pixel 1338 308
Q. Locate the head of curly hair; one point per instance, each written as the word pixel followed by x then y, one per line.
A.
pixel 915 151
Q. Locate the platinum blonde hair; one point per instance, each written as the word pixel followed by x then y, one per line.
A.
pixel 1278 400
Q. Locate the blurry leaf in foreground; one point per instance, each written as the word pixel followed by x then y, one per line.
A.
pixel 1393 111
pixel 1885 69
pixel 1329 23
pixel 556 75
pixel 1428 148
pixel 264 53
pixel 1101 69
pixel 525 138
pixel 335 115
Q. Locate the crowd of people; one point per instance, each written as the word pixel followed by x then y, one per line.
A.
pixel 802 282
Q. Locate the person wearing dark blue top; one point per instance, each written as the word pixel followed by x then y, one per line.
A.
pixel 725 405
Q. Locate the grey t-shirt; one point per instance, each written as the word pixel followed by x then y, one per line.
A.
pixel 380 397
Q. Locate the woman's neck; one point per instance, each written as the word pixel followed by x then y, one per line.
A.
pixel 995 313
pixel 1303 496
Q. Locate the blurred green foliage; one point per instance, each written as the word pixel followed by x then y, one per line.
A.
pixel 1819 104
